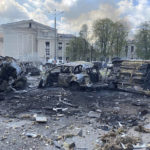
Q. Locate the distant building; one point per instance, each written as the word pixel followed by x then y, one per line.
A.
pixel 130 50
pixel 63 43
pixel 29 40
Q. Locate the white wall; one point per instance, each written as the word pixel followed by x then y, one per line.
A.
pixel 20 44
pixel 1 48
pixel 29 44
pixel 10 46
pixel 42 49
pixel 42 38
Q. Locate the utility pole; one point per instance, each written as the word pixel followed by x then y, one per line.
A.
pixel 55 57
pixel 91 53
pixel 56 13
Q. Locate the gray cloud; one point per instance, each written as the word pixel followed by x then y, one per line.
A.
pixel 76 12
pixel 12 11
pixel 103 11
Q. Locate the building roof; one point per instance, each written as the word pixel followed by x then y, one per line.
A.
pixel 16 24
pixel 84 64
pixel 66 36
pixel 131 41
pixel 27 21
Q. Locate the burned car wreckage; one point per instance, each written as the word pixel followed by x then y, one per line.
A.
pixel 127 75
pixel 74 75
pixel 11 75
pixel 130 75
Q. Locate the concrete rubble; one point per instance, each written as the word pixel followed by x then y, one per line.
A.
pixel 40 119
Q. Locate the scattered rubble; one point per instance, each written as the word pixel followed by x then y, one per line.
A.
pixel 93 114
pixel 33 135
pixel 40 119
pixel 141 128
pixel 114 140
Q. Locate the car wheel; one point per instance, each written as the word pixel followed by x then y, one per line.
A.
pixel 40 84
pixel 74 86
pixel 113 85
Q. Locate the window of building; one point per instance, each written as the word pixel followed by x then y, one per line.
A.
pixel 60 58
pixel 60 46
pixel 67 45
pixel 67 58
pixel 47 49
pixel 132 49
pixel 45 34
pixel 30 25
pixel 126 51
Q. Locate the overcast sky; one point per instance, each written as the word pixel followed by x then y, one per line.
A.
pixel 76 12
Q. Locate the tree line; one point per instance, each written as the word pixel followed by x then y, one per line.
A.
pixel 110 40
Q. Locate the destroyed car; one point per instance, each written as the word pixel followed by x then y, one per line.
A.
pixel 11 75
pixel 74 75
pixel 30 68
pixel 130 75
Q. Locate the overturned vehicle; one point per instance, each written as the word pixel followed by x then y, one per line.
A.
pixel 74 75
pixel 130 75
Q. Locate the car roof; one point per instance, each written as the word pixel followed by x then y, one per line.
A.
pixel 84 64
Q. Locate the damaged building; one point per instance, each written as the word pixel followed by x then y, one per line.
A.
pixel 29 40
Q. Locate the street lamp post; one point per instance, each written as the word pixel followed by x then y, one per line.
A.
pixel 55 57
pixel 56 13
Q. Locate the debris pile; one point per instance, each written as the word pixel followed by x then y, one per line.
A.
pixel 116 140
pixel 11 75
pixel 112 119
pixel 141 128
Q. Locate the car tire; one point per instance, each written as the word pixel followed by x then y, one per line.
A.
pixel 40 84
pixel 113 85
pixel 74 86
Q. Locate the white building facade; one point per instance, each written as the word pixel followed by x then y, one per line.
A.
pixel 63 43
pixel 29 41
pixel 131 50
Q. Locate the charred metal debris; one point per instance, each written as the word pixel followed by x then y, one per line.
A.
pixel 11 75
pixel 125 75
pixel 75 75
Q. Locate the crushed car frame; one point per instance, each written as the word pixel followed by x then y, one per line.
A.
pixel 74 75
